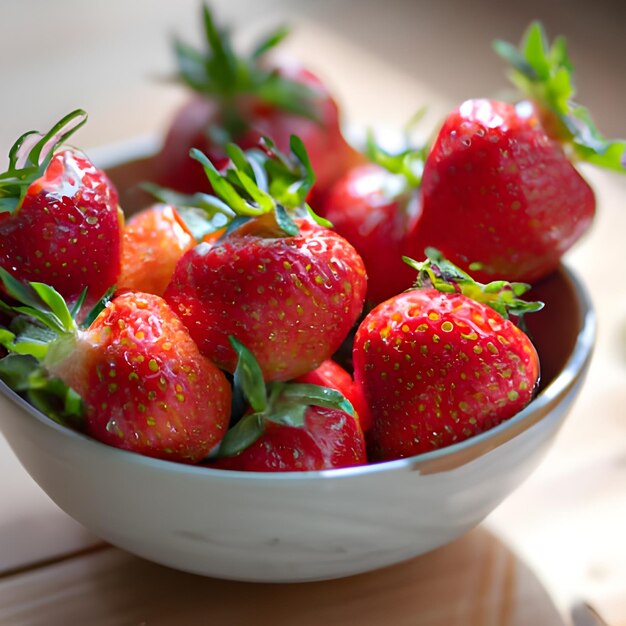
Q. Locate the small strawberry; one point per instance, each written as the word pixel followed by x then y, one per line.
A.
pixel 239 99
pixel 375 206
pixel 143 384
pixel 501 195
pixel 442 362
pixel 60 221
pixel 290 290
pixel 289 427
pixel 153 242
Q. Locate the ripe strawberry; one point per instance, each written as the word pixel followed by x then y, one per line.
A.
pixel 289 290
pixel 439 366
pixel 240 99
pixel 331 374
pixel 60 221
pixel 374 206
pixel 153 242
pixel 290 426
pixel 144 385
pixel 500 193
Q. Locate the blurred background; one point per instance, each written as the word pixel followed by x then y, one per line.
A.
pixel 113 58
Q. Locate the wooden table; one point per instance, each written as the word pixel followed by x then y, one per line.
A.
pixel 558 539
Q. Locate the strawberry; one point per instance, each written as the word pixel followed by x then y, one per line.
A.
pixel 143 383
pixel 374 206
pixel 289 427
pixel 331 374
pixel 438 366
pixel 239 99
pixel 289 289
pixel 153 242
pixel 501 195
pixel 60 221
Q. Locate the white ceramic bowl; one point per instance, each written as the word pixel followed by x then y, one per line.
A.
pixel 316 525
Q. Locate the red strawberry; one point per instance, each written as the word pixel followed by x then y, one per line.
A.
pixel 500 194
pixel 240 99
pixel 154 240
pixel 290 427
pixel 289 290
pixel 438 366
pixel 331 374
pixel 374 206
pixel 144 385
pixel 60 221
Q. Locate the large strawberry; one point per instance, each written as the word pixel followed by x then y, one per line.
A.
pixel 241 98
pixel 374 206
pixel 441 362
pixel 289 426
pixel 501 195
pixel 289 290
pixel 143 383
pixel 60 221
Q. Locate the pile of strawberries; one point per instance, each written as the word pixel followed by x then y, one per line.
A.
pixel 291 303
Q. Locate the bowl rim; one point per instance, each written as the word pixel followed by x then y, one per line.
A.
pixel 580 355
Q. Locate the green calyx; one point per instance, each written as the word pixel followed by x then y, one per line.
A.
pixel 29 157
pixel 502 296
pixel 220 73
pixel 42 330
pixel 281 403
pixel 259 182
pixel 408 163
pixel 544 74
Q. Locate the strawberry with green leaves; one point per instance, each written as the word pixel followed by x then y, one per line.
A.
pixel 241 98
pixel 288 288
pixel 501 194
pixel 131 373
pixel 288 426
pixel 374 206
pixel 60 220
pixel 443 362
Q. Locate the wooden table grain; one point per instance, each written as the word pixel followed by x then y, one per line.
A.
pixel 557 540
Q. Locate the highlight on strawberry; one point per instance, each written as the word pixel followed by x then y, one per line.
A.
pixel 239 99
pixel 129 376
pixel 501 192
pixel 288 426
pixel 60 219
pixel 278 279
pixel 443 361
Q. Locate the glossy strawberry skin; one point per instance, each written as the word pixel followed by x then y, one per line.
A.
pixel 329 152
pixel 499 192
pixel 330 374
pixel 437 368
pixel 329 439
pixel 145 386
pixel 291 300
pixel 154 240
pixel 67 230
pixel 373 209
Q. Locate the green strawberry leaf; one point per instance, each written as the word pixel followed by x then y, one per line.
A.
pixel 544 74
pixel 316 395
pixel 29 157
pixel 16 370
pixel 240 436
pixel 248 377
pixel 439 273
pixel 221 74
pixel 408 163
